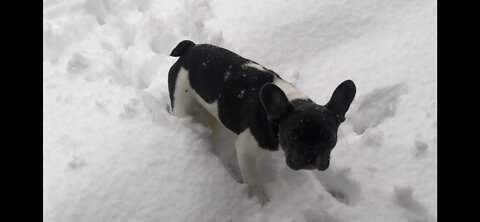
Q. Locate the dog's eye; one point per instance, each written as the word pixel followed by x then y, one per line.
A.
pixel 292 136
pixel 329 138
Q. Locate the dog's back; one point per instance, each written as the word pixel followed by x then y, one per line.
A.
pixel 222 79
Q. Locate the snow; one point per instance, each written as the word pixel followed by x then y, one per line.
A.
pixel 112 152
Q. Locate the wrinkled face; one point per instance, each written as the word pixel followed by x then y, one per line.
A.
pixel 308 135
pixel 307 131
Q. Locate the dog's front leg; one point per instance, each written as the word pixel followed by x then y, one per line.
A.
pixel 247 151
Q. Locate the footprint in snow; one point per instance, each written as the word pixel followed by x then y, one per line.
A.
pixel 339 185
pixel 377 106
pixel 416 211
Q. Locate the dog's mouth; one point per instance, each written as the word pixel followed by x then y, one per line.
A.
pixel 310 167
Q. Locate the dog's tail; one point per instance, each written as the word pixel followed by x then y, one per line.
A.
pixel 181 48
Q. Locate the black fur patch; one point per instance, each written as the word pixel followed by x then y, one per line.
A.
pixel 217 74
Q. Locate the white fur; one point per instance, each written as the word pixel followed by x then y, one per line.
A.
pixel 254 65
pixel 188 102
pixel 212 108
pixel 248 151
pixel 290 91
pixel 183 102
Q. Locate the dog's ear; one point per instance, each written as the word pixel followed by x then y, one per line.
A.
pixel 275 102
pixel 341 99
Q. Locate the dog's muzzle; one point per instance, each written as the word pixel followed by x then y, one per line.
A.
pixel 308 159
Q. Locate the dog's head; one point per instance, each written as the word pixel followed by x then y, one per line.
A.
pixel 307 131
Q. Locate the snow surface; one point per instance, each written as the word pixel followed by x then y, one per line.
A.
pixel 113 153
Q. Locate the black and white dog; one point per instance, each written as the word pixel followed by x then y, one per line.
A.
pixel 265 111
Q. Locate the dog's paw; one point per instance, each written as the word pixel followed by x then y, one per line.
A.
pixel 258 192
pixel 239 179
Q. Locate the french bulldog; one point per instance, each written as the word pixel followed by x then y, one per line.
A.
pixel 265 111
